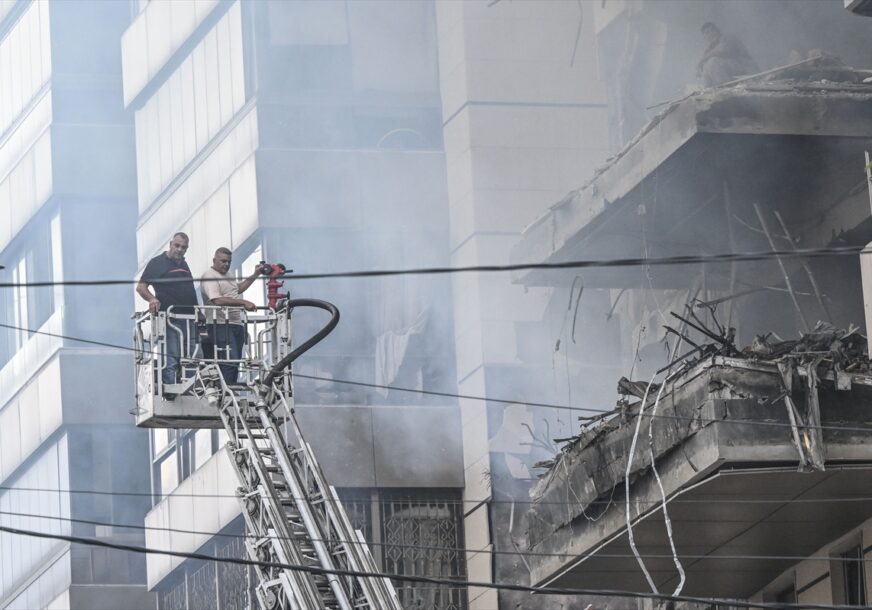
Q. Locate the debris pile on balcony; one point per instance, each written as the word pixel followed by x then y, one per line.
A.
pixel 778 378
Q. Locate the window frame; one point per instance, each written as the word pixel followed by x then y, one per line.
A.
pixel 842 567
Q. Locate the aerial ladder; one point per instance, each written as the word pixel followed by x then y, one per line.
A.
pixel 293 515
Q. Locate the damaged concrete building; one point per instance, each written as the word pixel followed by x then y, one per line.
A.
pixel 718 443
pixel 727 472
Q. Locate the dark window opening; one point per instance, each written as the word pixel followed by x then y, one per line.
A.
pixel 786 596
pixel 854 577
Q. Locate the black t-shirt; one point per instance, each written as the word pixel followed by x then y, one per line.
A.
pixel 181 295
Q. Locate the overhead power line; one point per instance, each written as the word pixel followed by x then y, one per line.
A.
pixel 455 501
pixel 601 413
pixel 424 547
pixel 450 582
pixel 329 379
pixel 575 264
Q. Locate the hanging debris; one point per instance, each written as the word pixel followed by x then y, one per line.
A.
pixel 771 380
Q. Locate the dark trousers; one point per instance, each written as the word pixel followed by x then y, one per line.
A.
pixel 181 342
pixel 228 341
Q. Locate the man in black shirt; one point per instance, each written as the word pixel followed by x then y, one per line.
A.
pixel 179 294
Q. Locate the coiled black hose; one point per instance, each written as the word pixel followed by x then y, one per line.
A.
pixel 310 342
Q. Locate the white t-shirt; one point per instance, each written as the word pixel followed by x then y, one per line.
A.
pixel 220 285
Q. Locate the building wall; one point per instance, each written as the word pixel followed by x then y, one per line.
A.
pixel 309 134
pixel 820 578
pixel 524 122
pixel 288 145
pixel 646 53
pixel 66 178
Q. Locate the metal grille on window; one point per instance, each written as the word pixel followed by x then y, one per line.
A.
pixel 173 598
pixel 234 581
pixel 423 536
pixel 202 586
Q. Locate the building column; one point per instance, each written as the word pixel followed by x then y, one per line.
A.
pixel 524 122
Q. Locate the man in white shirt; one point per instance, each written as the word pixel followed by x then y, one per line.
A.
pixel 226 331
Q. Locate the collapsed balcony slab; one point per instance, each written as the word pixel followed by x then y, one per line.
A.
pixel 726 453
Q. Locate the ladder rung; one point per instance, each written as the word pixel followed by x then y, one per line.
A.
pixel 280 512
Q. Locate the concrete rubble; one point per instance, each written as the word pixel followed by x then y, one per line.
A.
pixel 797 384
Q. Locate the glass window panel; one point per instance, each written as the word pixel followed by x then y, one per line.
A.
pixel 42 168
pixel 166 137
pixel 20 65
pixel 243 202
pixel 169 475
pixel 153 130
pixel 225 79
pixel 57 262
pixel 44 39
pixel 15 70
pixel 216 214
pixel 190 108
pixel 201 95
pixel 189 111
pixel 22 30
pixel 143 151
pixel 160 439
pixel 5 89
pixel 20 321
pixel 183 20
pixel 143 139
pixel 5 213
pixel 5 7
pixel 27 182
pixel 158 35
pixel 29 406
pixel 41 114
pixel 197 256
pixel 202 447
pixel 39 267
pixel 178 124
pixel 211 64
pixel 236 56
pixel 35 50
pixel 22 207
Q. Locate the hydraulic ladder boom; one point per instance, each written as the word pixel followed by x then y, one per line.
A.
pixel 293 516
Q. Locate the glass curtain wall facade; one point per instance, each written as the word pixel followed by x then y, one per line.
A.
pixel 67 208
pixel 307 133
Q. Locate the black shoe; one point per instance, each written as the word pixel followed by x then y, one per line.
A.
pixel 169 396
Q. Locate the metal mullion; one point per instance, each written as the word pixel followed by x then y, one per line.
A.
pixel 375 528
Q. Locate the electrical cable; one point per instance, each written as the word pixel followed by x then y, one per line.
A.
pixel 364 384
pixel 453 501
pixel 575 264
pixel 666 519
pixel 627 514
pixel 451 582
pixel 572 264
pixel 599 412
pixel 825 558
